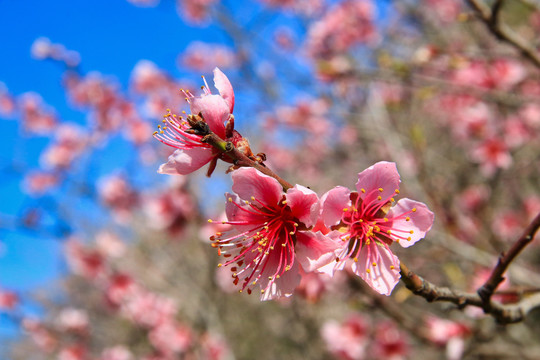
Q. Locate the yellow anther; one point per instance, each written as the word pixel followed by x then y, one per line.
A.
pixel 284 244
pixel 363 190
pixel 380 189
pixel 397 240
pixel 409 238
pixel 262 291
pixel 396 191
pixel 210 220
pixel 392 267
pixel 284 202
pixel 345 209
pixel 414 210
pixel 253 198
pixel 385 219
pixel 155 132
pixel 254 282
pixel 230 199
pixel 277 276
pixel 355 259
pixel 374 264
pixel 219 265
pixel 411 232
pixel 288 267
pixel 164 121
pixel 246 202
pixel 392 200
pixel 379 198
pixel 161 132
pixel 407 219
pixel 291 232
pixel 368 271
pixel 388 231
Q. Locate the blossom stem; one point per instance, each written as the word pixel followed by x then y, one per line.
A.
pixel 239 158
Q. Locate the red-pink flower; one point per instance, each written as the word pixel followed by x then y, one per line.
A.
pixel 367 224
pixel 348 340
pixel 215 110
pixel 8 300
pixel 271 234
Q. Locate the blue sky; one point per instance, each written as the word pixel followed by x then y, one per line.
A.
pixel 111 37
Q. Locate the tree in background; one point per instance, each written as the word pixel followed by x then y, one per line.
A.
pixel 324 121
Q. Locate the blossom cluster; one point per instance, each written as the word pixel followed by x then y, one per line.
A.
pixel 280 233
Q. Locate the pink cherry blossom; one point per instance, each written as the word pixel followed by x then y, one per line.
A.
pixel 42 337
pixel 270 239
pixel 118 352
pixel 73 320
pixel 348 340
pixel 215 110
pixel 345 25
pixel 84 261
pixel 73 352
pixel 37 183
pixel 8 300
pixel 36 116
pixel 390 342
pixel 367 224
pixel 491 154
pixel 170 337
pixel 203 57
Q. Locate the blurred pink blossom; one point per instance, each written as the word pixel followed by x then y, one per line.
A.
pixel 68 144
pixel 203 57
pixel 36 116
pixel 73 320
pixel 346 24
pixel 348 340
pixel 119 196
pixel 491 154
pixel 8 300
pixel 118 352
pixel 170 337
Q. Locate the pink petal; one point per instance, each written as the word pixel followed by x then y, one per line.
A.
pixel 234 212
pixel 333 203
pixel 382 277
pixel 186 161
pixel 214 110
pixel 304 204
pixel 420 220
pixel 248 182
pixel 383 175
pixel 340 252
pixel 314 250
pixel 282 287
pixel 222 83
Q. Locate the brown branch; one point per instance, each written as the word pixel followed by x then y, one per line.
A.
pixel 491 17
pixel 486 290
pixel 239 158
pixel 504 314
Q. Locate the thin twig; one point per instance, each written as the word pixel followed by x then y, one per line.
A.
pixel 491 17
pixel 486 290
pixel 504 314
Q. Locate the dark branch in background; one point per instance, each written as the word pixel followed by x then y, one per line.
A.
pixel 504 314
pixel 487 290
pixel 491 17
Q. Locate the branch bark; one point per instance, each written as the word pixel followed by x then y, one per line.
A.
pixel 490 16
pixel 503 313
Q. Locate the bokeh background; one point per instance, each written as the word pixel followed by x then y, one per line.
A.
pixel 103 258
